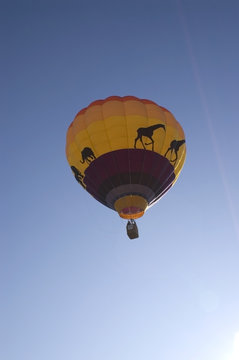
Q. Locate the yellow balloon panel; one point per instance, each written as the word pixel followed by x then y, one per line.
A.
pixel 155 112
pixel 113 108
pixel 133 107
pixel 93 114
pixel 115 121
pixel 119 143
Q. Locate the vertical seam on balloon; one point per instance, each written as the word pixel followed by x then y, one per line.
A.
pixel 158 179
pixel 128 150
pixel 105 128
pixel 153 180
pixel 176 132
pixel 128 138
pixel 112 152
pixel 110 146
pixel 152 165
pixel 164 169
pixel 74 133
pixel 84 120
pixel 178 163
pixel 162 183
pixel 165 132
pixel 91 144
pixel 176 136
pixel 86 128
pixel 145 151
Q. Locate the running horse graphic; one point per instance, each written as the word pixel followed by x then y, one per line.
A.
pixel 147 132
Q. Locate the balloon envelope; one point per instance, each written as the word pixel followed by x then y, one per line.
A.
pixel 126 152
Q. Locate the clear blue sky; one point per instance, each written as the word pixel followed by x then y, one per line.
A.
pixel 73 286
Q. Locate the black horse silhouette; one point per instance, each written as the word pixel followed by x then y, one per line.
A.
pixel 147 132
pixel 174 146
pixel 87 155
pixel 78 175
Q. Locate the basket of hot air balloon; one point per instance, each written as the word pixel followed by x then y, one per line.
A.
pixel 126 152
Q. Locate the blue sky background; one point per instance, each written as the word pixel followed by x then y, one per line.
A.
pixel 73 286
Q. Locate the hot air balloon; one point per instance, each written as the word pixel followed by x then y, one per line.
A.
pixel 127 153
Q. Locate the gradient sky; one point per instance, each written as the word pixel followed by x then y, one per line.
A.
pixel 73 286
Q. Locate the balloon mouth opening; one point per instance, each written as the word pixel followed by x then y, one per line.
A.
pixel 131 212
pixel 131 206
